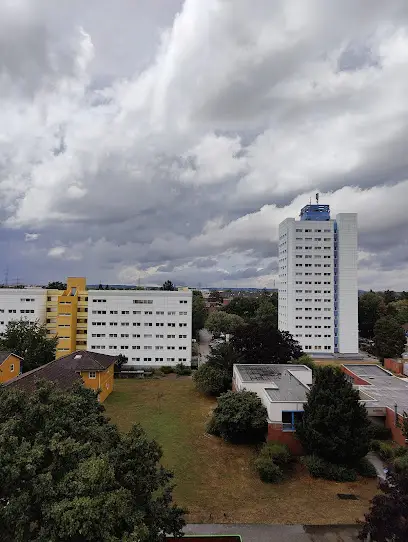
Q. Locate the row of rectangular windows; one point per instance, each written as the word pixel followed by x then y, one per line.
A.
pixel 137 347
pixel 139 301
pixel 159 359
pixel 308 347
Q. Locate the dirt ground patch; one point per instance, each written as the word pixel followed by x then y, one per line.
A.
pixel 215 480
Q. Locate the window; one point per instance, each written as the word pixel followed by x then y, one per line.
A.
pixel 171 336
pixel 289 419
pixel 125 312
pixel 12 368
pixel 136 335
pixel 148 312
pixel 183 301
pixel 92 374
pixel 171 313
pixel 148 324
pixel 137 324
pixel 159 347
pixel 113 312
pixel 124 335
pixel 137 347
pixel 124 323
pixel 171 324
pixel 113 335
pixel 159 324
pixel 143 301
pixel 113 323
pixel 159 312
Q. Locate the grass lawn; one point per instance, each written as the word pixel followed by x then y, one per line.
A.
pixel 215 480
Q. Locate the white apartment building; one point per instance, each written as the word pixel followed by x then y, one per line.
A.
pixel 21 303
pixel 318 292
pixel 150 328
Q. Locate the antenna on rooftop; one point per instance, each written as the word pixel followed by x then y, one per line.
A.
pixel 317 198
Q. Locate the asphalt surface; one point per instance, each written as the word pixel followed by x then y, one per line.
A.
pixel 280 533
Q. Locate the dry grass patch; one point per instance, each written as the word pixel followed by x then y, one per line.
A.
pixel 215 480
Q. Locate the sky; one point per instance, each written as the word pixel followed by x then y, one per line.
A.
pixel 146 140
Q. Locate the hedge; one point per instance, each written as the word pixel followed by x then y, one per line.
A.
pixel 320 468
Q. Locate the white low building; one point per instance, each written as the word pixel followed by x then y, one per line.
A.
pixel 282 390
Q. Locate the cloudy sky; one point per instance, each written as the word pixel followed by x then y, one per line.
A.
pixel 145 140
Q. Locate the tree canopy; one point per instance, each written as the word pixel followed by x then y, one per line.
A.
pixel 221 322
pixel 199 311
pixel 239 417
pixel 387 519
pixel 57 285
pixel 260 342
pixel 168 286
pixel 68 475
pixel 212 379
pixel 29 340
pixel 243 306
pixel 335 425
pixel 389 338
pixel 371 307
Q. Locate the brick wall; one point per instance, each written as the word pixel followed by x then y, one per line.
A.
pixel 285 437
pixel 394 365
pixel 397 434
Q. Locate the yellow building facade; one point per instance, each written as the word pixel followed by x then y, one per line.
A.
pixel 67 316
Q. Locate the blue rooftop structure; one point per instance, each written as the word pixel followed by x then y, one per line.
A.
pixel 315 212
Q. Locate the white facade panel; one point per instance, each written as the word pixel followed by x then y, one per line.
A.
pixel 150 328
pixel 21 303
pixel 347 286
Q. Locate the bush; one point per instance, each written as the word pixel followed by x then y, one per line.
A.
pixel 379 432
pixel 268 471
pixel 277 452
pixel 386 451
pixel 375 446
pixel 211 380
pixel 239 417
pixel 167 369
pixel 182 370
pixel 320 468
pixel 401 464
pixel 365 468
pixel 400 451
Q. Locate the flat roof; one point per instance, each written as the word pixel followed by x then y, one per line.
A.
pixel 289 390
pixel 266 373
pixel 382 386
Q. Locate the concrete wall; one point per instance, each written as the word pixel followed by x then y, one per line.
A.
pixel 347 283
pixel 394 365
pixel 397 434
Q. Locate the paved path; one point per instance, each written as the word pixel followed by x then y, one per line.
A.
pixel 204 346
pixel 280 533
pixel 378 464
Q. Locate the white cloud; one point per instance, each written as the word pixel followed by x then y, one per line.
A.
pixel 245 110
pixel 31 236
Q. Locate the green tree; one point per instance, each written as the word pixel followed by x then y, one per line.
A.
pixel 335 425
pixel 371 307
pixel 200 312
pixel 243 306
pixel 168 286
pixel 223 355
pixel 212 379
pixel 263 343
pixel 267 312
pixel 56 285
pixel 387 519
pixel 239 417
pixel 389 296
pixel 400 311
pixel 68 475
pixel 222 322
pixel 120 361
pixel 389 338
pixel 29 340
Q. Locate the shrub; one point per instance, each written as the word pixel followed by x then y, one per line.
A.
pixel 239 417
pixel 277 452
pixel 386 451
pixel 401 464
pixel 167 369
pixel 320 468
pixel 268 471
pixel 182 370
pixel 400 451
pixel 365 468
pixel 379 432
pixel 375 445
pixel 211 380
